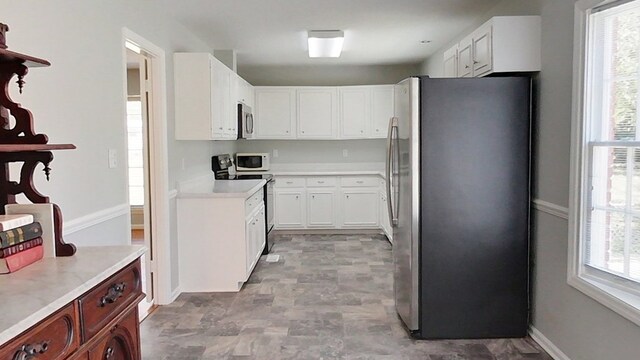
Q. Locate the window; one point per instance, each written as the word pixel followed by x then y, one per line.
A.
pixel 135 152
pixel 607 212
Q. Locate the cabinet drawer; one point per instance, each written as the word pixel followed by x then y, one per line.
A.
pixel 54 338
pixel 120 342
pixel 359 181
pixel 254 201
pixel 321 182
pixel 107 300
pixel 290 182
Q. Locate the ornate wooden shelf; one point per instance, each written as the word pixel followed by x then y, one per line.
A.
pixel 5 148
pixel 20 144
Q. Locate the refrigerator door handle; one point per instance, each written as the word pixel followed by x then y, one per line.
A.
pixel 393 125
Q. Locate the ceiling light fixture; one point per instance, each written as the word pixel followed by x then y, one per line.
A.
pixel 325 43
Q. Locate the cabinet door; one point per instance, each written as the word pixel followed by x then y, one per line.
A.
pixel 360 208
pixel 320 208
pixel 482 58
pixel 122 342
pixel 261 233
pixel 451 62
pixel 192 84
pixel 250 235
pixel 275 113
pixel 465 58
pixel 354 112
pixel 385 222
pixel 381 110
pixel 221 100
pixel 290 209
pixel 317 113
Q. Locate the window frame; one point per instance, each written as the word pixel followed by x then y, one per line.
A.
pixel 615 292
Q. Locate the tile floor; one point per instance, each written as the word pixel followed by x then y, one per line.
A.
pixel 329 297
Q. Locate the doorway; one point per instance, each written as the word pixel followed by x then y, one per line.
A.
pixel 139 120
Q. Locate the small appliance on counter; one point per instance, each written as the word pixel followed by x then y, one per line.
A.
pixel 221 164
pixel 252 161
pixel 245 122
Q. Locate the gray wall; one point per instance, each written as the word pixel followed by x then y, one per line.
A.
pixel 582 328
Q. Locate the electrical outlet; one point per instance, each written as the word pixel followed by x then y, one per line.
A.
pixel 345 153
pixel 275 153
pixel 113 158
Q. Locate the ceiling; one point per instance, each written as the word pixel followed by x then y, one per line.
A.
pixel 377 32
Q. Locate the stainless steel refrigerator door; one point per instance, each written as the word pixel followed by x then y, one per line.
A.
pixel 403 179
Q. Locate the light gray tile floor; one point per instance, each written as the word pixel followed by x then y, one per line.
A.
pixel 329 297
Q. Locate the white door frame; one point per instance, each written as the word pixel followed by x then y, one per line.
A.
pixel 158 162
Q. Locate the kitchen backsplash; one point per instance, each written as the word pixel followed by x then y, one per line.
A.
pixel 318 151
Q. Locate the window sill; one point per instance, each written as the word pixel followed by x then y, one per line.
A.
pixel 624 303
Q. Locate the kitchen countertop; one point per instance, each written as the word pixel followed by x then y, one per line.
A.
pixel 376 169
pixel 221 189
pixel 33 293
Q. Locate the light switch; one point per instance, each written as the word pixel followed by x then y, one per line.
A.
pixel 113 158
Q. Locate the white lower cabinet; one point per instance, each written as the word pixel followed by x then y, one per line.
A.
pixel 385 221
pixel 360 207
pixel 290 208
pixel 219 241
pixel 320 208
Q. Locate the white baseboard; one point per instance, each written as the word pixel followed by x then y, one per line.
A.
pixel 95 218
pixel 175 294
pixel 547 345
pixel 551 208
pixel 327 232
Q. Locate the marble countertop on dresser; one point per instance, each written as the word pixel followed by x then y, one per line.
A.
pixel 37 291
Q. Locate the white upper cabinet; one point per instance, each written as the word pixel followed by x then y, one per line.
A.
pixel 204 105
pixel 355 111
pixel 244 92
pixel 451 62
pixel 381 110
pixel 317 113
pixel 323 113
pixel 275 112
pixel 503 44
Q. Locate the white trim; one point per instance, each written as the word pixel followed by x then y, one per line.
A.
pixel 95 218
pixel 551 208
pixel 175 293
pixel 173 194
pixel 546 344
pixel 158 164
pixel 604 295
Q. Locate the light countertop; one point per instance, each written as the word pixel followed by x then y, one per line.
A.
pixel 221 189
pixel 325 169
pixel 33 293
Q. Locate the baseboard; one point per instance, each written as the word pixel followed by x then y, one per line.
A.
pixel 95 218
pixel 175 294
pixel 547 345
pixel 551 208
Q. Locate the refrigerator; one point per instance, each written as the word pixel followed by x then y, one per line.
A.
pixel 458 184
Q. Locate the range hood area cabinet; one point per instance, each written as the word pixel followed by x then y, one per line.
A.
pixel 504 44
pixel 206 95
pixel 328 112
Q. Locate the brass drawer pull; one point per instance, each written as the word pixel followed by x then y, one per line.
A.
pixel 115 291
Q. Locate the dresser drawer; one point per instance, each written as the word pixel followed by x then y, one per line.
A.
pixel 54 338
pixel 120 342
pixel 107 300
pixel 290 182
pixel 321 181
pixel 359 181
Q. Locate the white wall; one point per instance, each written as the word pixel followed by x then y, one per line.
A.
pixel 80 100
pixel 318 151
pixel 582 328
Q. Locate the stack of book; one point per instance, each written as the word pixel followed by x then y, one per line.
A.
pixel 20 242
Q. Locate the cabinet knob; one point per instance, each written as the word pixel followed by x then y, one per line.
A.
pixel 303 131
pixel 347 196
pixel 475 62
pixel 287 131
pixel 313 196
pixel 296 196
pixel 220 128
pixel 466 66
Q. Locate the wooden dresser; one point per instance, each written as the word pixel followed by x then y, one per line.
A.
pixel 99 324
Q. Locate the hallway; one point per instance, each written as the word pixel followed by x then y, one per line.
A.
pixel 329 297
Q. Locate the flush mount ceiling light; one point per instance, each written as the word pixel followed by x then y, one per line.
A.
pixel 325 43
